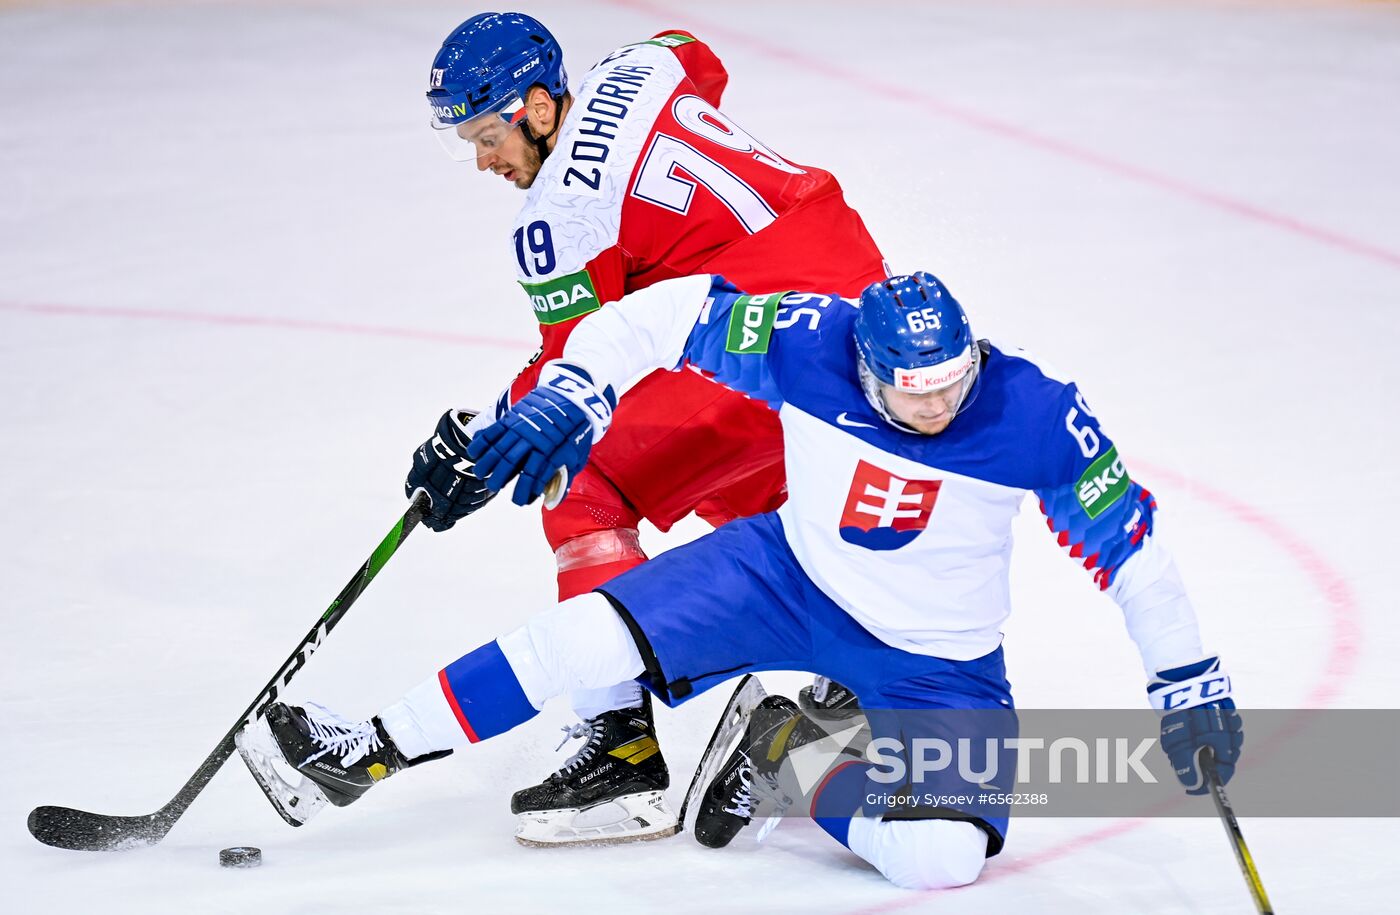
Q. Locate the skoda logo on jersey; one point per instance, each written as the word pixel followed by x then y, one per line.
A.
pixel 886 512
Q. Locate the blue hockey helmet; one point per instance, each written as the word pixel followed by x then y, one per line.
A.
pixel 484 71
pixel 914 337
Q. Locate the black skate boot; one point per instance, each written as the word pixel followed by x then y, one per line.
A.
pixel 829 703
pixel 306 757
pixel 612 790
pixel 776 728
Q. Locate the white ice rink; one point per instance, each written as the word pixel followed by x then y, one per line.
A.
pixel 239 282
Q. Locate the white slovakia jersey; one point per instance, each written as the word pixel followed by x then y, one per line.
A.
pixel 910 534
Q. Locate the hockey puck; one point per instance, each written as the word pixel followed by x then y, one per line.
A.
pixel 240 856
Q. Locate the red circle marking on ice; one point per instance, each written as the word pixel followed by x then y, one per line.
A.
pixel 1344 644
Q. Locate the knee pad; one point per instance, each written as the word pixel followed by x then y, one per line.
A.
pixel 921 854
pixel 579 644
pixel 592 560
pixel 600 548
pixel 593 533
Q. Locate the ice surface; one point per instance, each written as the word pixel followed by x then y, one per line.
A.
pixel 239 282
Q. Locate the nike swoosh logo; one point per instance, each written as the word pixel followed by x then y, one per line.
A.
pixel 844 420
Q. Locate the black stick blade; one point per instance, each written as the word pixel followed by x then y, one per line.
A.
pixel 64 827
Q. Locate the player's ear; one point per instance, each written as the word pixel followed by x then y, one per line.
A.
pixel 539 108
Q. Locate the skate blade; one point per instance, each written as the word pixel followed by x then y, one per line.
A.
pixel 732 721
pixel 631 818
pixel 295 797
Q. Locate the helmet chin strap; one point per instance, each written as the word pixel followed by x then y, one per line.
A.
pixel 873 393
pixel 542 143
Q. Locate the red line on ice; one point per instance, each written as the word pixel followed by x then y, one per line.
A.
pixel 235 320
pixel 828 68
pixel 1344 612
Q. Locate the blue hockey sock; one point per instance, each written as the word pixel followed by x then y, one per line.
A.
pixel 839 797
pixel 484 693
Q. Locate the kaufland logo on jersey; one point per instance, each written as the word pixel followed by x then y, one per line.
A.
pixel 885 512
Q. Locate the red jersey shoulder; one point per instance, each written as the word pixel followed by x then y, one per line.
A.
pixel 703 182
pixel 702 67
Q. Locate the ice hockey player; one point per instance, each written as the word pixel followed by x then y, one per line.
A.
pixel 910 447
pixel 637 178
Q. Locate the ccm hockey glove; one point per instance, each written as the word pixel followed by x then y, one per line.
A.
pixel 1198 715
pixel 553 426
pixel 442 470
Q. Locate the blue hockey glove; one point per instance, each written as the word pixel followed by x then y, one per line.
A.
pixel 553 426
pixel 442 470
pixel 1198 715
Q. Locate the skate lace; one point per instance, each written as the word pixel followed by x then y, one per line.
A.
pixel 350 740
pixel 742 801
pixel 586 752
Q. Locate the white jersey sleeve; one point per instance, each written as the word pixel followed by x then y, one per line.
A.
pixel 646 330
pixel 1156 609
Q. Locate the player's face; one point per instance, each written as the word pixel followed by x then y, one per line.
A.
pixel 502 149
pixel 929 412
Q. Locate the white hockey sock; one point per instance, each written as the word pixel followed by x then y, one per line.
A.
pixel 423 721
pixel 580 644
pixel 589 703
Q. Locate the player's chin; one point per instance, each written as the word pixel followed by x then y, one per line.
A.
pixel 931 426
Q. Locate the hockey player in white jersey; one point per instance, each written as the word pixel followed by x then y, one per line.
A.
pixel 910 447
pixel 634 176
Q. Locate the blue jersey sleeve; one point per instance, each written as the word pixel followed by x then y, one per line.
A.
pixel 1098 512
pixel 741 340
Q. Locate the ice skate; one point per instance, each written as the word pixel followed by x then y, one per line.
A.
pixel 829 703
pixel 612 790
pixel 750 776
pixel 306 757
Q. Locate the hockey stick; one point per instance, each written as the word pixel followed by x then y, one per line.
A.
pixel 64 827
pixel 1232 828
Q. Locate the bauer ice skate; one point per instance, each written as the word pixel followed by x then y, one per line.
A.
pixel 612 790
pixel 829 703
pixel 306 757
pixel 748 782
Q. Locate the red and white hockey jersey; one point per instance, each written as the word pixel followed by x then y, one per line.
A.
pixel 649 181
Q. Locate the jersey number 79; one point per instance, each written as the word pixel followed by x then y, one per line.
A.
pixel 672 168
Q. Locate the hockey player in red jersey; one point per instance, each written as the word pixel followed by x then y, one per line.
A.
pixel 635 179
